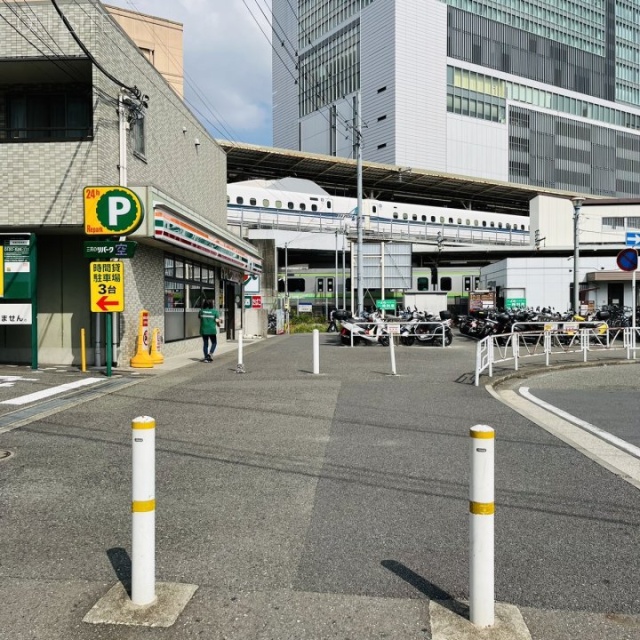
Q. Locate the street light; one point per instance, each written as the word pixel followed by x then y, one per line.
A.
pixel 577 205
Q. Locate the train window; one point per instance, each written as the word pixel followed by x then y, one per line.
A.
pixel 414 216
pixel 329 285
pixel 374 208
pixel 252 202
pixel 423 284
pixel 467 222
pixel 240 200
pixel 395 215
pixel 442 219
pixel 433 218
pixel 320 285
pixel 459 220
pixel 289 205
pixel 508 225
pixel 228 199
pixel 265 203
pixel 475 223
pixel 484 223
pixel 467 283
pixel 522 227
pixel 450 220
pixel 405 216
pixel 328 204
pixel 294 285
pixel 424 218
pixel 445 284
pixel 499 225
pixel 492 224
pixel 303 206
pixel 347 284
pixel 476 282
pixel 314 207
pixel 278 204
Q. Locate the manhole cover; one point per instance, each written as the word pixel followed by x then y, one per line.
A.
pixel 5 454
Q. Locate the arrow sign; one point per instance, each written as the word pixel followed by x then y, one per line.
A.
pixel 104 303
pixel 632 239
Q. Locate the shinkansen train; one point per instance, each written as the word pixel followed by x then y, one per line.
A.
pixel 321 288
pixel 297 204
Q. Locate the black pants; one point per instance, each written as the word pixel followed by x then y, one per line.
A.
pixel 208 351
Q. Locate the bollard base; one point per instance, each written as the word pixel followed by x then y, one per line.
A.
pixel 450 621
pixel 115 607
pixel 240 368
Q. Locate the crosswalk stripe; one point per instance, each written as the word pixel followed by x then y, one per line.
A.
pixel 47 393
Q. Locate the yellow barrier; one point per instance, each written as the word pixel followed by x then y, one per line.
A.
pixel 142 359
pixel 155 355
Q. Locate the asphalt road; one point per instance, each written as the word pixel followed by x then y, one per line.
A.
pixel 310 506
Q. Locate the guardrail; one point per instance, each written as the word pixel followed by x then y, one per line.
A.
pixel 436 330
pixel 507 347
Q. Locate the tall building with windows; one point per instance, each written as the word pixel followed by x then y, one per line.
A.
pixel 544 93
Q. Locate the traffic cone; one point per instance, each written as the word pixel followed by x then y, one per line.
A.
pixel 142 359
pixel 155 355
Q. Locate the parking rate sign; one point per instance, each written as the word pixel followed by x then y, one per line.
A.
pixel 111 211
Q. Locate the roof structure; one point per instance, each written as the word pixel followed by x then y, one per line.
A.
pixel 380 181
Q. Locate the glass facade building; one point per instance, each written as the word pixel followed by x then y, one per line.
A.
pixel 544 92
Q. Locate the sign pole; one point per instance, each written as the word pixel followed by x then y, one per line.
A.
pixel 108 319
pixel 34 300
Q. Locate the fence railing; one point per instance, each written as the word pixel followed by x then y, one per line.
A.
pixel 513 347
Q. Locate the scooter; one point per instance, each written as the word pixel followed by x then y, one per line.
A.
pixel 372 330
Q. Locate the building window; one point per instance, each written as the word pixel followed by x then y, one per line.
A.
pixel 187 284
pixel 137 131
pixel 37 116
pixel 381 89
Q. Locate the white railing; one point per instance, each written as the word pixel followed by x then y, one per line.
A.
pixel 435 330
pixel 512 347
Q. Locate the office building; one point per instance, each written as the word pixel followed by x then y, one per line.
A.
pixel 540 93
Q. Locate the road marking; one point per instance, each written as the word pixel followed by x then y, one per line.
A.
pixel 596 431
pixel 47 393
pixel 9 381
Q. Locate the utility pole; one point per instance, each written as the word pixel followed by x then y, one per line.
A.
pixel 577 205
pixel 359 218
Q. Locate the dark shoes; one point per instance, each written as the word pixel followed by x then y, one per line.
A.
pixel 208 359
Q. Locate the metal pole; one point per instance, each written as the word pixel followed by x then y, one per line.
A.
pixel 143 509
pixel 577 205
pixel 316 351
pixel 335 283
pixel 286 285
pixel 359 218
pixel 382 275
pixel 481 527
pixel 344 275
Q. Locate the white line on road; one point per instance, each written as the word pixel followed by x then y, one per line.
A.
pixel 596 431
pixel 46 393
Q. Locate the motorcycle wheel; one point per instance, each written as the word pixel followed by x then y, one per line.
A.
pixel 448 339
pixel 384 341
pixel 407 341
pixel 423 334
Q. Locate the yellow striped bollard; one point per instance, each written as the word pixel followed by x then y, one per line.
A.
pixel 143 510
pixel 481 527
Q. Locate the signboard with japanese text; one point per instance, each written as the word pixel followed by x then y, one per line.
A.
pixel 97 249
pixel 111 211
pixel 16 313
pixel 107 286
pixel 15 265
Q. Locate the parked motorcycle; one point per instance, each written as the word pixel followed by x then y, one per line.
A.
pixel 370 329
pixel 424 327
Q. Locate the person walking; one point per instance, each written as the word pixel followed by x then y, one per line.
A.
pixel 209 320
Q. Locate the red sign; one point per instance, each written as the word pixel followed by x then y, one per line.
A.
pixel 256 302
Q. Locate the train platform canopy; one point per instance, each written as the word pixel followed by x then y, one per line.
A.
pixel 382 182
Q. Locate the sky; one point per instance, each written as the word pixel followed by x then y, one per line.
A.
pixel 227 62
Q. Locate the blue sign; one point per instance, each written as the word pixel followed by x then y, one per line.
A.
pixel 632 239
pixel 628 259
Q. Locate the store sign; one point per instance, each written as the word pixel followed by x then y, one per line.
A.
pixel 111 211
pixel 109 249
pixel 253 302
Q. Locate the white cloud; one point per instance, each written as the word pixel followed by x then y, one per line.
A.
pixel 227 62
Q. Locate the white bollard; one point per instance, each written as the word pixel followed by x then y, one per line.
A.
pixel 316 351
pixel 143 509
pixel 240 366
pixel 393 355
pixel 481 530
